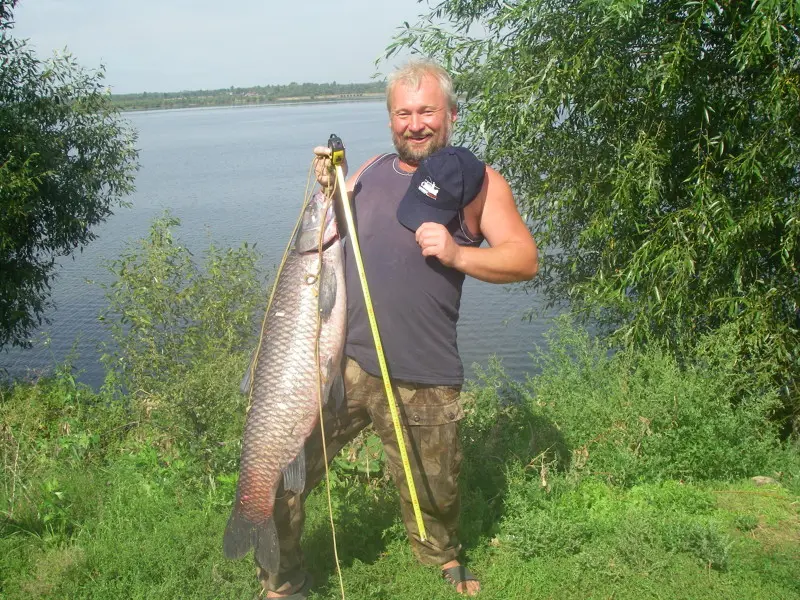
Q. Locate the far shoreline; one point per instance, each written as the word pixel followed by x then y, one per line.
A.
pixel 287 102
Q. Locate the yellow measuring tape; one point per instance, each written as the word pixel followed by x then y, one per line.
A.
pixel 337 157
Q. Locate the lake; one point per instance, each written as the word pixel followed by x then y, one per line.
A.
pixel 239 174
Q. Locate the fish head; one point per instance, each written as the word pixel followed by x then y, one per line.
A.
pixel 318 220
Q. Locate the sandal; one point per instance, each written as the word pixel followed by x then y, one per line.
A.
pixel 300 594
pixel 458 574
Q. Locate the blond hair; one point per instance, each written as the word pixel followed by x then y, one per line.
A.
pixel 412 73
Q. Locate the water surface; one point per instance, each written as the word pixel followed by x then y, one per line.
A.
pixel 236 175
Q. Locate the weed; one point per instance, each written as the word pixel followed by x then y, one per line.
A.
pixel 746 522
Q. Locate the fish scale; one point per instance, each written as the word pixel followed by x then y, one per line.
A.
pixel 289 380
pixel 284 396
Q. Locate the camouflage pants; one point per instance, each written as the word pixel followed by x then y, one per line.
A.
pixel 430 416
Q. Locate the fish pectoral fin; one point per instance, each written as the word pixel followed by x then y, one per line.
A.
pixel 327 291
pixel 244 387
pixel 294 474
pixel 336 394
pixel 334 384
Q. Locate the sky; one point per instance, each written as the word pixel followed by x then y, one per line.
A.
pixel 175 45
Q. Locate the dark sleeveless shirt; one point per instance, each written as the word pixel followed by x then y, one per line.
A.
pixel 416 299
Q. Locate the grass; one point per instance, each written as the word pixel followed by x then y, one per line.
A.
pixel 585 540
pixel 606 476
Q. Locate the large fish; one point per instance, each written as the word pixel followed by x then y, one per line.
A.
pixel 283 383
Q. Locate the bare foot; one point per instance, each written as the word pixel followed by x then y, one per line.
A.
pixel 465 588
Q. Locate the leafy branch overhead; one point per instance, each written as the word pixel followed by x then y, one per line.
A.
pixel 654 148
pixel 66 160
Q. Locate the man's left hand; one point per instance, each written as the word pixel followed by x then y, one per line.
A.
pixel 435 240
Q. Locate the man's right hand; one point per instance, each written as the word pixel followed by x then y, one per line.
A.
pixel 323 168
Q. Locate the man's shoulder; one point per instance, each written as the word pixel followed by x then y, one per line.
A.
pixel 495 188
pixel 376 162
pixel 378 158
pixel 355 177
pixel 495 176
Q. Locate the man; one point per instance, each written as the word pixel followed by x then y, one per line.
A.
pixel 421 216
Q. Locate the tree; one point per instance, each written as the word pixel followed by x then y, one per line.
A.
pixel 66 159
pixel 654 147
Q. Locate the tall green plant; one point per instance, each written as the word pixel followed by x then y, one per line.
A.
pixel 654 147
pixel 66 159
pixel 180 331
pixel 641 415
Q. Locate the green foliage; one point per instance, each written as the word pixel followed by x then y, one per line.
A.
pixel 66 159
pixel 500 433
pixel 181 333
pixel 628 417
pixel 364 457
pixel 634 418
pixel 642 415
pixel 746 522
pixel 49 432
pixel 653 146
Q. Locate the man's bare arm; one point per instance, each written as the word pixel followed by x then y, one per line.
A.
pixel 512 254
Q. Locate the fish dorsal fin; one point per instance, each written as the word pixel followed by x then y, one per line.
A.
pixel 294 474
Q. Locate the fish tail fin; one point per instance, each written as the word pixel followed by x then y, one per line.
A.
pixel 241 534
pixel 238 537
pixel 268 551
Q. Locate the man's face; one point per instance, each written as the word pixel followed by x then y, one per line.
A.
pixel 420 120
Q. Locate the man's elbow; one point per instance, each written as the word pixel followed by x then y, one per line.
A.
pixel 529 272
pixel 520 262
pixel 525 269
pixel 530 266
pixel 533 269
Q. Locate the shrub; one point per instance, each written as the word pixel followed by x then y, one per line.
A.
pixel 181 333
pixel 67 159
pixel 641 415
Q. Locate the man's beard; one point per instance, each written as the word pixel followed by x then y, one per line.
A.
pixel 412 155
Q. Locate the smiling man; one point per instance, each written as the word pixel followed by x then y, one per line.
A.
pixel 422 214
